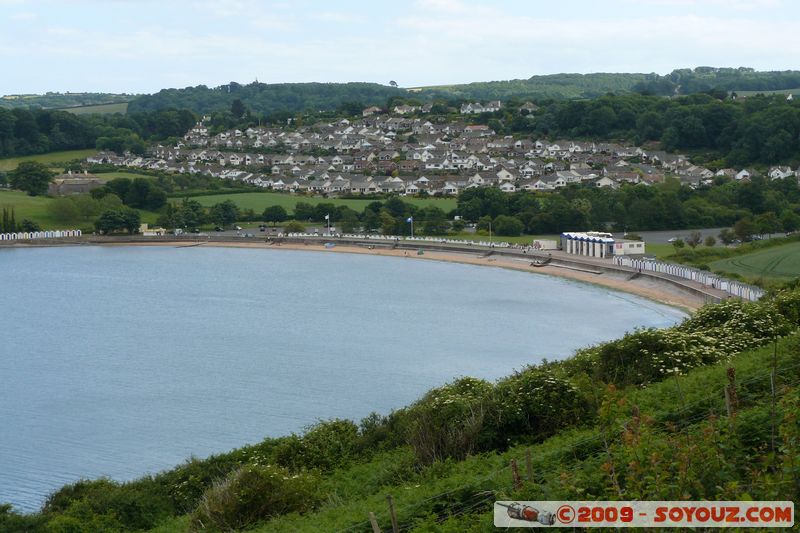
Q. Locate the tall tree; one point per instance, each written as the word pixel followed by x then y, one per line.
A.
pixel 32 177
pixel 274 214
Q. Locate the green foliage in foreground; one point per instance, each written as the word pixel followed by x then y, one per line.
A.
pixel 642 417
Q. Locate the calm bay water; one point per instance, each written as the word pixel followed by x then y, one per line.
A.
pixel 124 361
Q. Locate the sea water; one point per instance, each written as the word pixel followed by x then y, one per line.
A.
pixel 122 361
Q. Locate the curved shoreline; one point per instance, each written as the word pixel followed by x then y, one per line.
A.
pixel 640 286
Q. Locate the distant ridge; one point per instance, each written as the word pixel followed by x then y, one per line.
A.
pixel 288 98
pixel 53 100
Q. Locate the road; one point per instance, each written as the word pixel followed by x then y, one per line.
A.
pixel 661 237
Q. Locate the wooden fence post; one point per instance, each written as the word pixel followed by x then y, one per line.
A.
pixel 515 475
pixel 395 527
pixel 728 404
pixel 528 465
pixel 374 521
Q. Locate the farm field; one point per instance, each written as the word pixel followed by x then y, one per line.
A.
pixel 258 201
pixel 779 262
pixel 99 109
pixel 35 209
pixel 55 160
pixel 107 176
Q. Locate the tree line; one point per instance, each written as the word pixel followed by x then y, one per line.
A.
pixel 37 131
pixel 767 206
pixel 758 206
pixel 713 128
pixel 292 98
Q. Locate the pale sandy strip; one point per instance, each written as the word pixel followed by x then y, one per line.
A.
pixel 660 292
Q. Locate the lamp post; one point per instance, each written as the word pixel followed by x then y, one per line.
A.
pixel 490 233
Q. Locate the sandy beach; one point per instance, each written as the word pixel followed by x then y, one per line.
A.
pixel 642 286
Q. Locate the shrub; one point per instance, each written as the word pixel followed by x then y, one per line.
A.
pixel 325 446
pixel 136 506
pixel 736 325
pixel 253 493
pixel 536 403
pixel 294 226
pixel 447 421
pixel 649 355
pixel 187 483
pixel 787 303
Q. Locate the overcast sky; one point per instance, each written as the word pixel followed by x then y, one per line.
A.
pixel 140 46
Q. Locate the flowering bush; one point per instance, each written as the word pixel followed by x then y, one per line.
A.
pixel 325 446
pixel 252 493
pixel 447 421
pixel 741 325
pixel 535 402
pixel 649 355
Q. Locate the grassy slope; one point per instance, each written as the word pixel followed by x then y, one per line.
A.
pixel 100 109
pixel 32 207
pixel 258 201
pixel 35 208
pixel 55 160
pixel 444 488
pixel 781 262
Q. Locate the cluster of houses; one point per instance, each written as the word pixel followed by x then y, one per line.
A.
pixel 408 155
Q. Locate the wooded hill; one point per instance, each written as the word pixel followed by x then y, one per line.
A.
pixel 268 98
pixel 293 97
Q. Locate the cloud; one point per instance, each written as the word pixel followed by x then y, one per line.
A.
pixel 739 5
pixel 24 16
pixel 446 6
pixel 421 42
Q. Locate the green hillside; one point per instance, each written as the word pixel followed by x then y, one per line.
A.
pixel 54 160
pixel 644 417
pixel 38 209
pixel 267 98
pixel 555 86
pixel 781 262
pixel 99 109
pixel 290 98
pixel 61 100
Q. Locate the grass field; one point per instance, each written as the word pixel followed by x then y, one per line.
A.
pixel 779 262
pixel 660 250
pixel 99 109
pixel 107 176
pixel 32 207
pixel 35 208
pixel 258 201
pixel 55 160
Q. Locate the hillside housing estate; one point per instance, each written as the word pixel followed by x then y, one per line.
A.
pixel 408 152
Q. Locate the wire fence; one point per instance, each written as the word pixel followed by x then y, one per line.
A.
pixel 685 423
